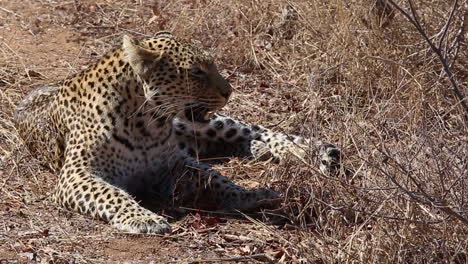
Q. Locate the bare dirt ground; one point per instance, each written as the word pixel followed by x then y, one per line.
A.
pixel 354 73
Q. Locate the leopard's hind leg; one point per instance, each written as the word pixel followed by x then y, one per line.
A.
pixel 35 125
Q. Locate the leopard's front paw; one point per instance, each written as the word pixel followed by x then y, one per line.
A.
pixel 246 200
pixel 330 158
pixel 149 223
pixel 263 194
pixel 260 150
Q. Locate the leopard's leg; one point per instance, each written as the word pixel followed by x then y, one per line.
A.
pixel 81 189
pixel 200 180
pixel 222 135
pixel 218 138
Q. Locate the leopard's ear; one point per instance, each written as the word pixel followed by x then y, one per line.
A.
pixel 140 58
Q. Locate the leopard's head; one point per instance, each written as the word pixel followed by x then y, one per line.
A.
pixel 178 79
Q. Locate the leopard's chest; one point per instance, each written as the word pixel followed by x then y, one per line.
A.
pixel 127 153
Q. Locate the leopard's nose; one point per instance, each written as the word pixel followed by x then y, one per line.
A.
pixel 225 94
pixel 226 91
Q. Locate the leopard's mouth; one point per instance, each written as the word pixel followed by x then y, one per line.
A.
pixel 198 113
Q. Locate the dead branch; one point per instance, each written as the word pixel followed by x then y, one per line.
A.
pixel 422 196
pixel 413 19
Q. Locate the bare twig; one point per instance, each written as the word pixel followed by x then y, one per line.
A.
pixel 413 19
pixel 458 37
pixel 429 200
pixel 447 25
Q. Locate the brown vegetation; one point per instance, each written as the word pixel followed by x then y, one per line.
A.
pixel 355 73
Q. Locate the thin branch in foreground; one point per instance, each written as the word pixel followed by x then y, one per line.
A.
pixel 429 200
pixel 437 50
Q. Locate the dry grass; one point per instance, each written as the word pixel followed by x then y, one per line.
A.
pixel 349 72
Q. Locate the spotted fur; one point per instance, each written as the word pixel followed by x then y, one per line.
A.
pixel 133 123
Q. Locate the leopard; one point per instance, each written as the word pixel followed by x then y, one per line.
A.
pixel 138 123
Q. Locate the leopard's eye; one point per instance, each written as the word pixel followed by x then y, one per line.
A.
pixel 197 72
